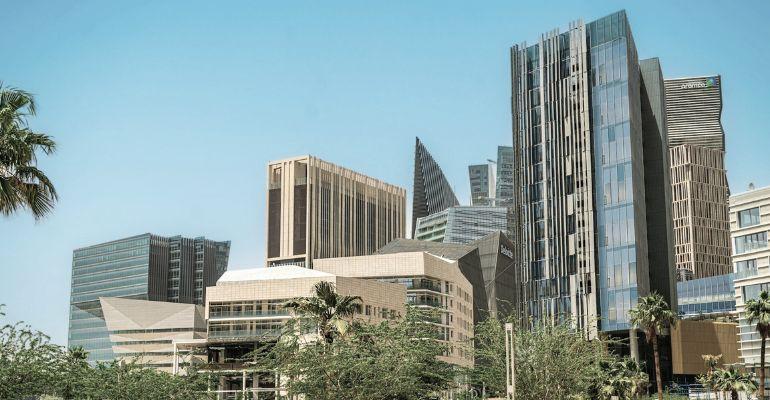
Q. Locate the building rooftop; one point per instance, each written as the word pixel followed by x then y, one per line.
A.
pixel 271 273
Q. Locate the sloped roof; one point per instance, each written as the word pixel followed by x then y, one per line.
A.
pixel 128 314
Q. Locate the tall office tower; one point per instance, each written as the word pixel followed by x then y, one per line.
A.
pixel 316 209
pixel 431 190
pixel 462 224
pixel 143 267
pixel 694 112
pixel 581 169
pixel 700 190
pixel 750 227
pixel 483 183
pixel 505 184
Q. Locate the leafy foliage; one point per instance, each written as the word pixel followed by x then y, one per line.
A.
pixel 390 360
pixel 328 308
pixel 552 362
pixel 758 311
pixel 22 184
pixel 653 315
pixel 31 366
pixel 624 379
pixel 733 381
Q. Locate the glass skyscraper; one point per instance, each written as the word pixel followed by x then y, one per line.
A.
pixel 584 158
pixel 145 267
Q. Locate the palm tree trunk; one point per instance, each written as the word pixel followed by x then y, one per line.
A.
pixel 658 378
pixel 762 369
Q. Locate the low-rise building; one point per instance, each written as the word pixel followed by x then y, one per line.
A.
pixel 245 309
pixel 432 282
pixel 706 297
pixel 145 331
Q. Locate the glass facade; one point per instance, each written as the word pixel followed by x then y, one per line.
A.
pixel 115 269
pixel 714 294
pixel 462 224
pixel 144 267
pixel 611 126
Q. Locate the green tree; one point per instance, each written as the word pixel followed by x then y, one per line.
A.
pixel 29 364
pixel 624 379
pixel 22 184
pixel 391 360
pixel 130 381
pixel 758 311
pixel 653 315
pixel 734 381
pixel 328 309
pixel 552 362
pixel 708 379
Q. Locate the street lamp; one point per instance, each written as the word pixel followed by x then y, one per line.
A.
pixel 510 362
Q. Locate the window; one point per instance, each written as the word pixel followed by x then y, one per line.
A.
pixel 746 266
pixel 750 242
pixel 748 217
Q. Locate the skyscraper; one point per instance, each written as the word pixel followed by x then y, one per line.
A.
pixel 144 267
pixel 316 209
pixel 483 180
pixel 505 185
pixel 700 189
pixel 583 161
pixel 694 111
pixel 431 190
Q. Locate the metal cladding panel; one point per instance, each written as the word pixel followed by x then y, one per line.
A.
pixel 657 177
pixel 431 190
pixel 694 112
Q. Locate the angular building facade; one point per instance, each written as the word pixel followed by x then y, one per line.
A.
pixel 143 267
pixel 483 180
pixel 431 190
pixel 316 209
pixel 145 331
pixel 698 177
pixel 462 224
pixel 583 163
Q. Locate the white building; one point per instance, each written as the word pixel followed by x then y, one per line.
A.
pixel 749 226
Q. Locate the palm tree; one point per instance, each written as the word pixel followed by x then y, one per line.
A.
pixel 653 315
pixel 734 381
pixel 22 184
pixel 708 380
pixel 625 379
pixel 328 308
pixel 758 310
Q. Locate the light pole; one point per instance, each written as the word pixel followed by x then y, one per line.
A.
pixel 510 362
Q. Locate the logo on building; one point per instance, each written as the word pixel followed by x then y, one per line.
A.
pixel 707 83
pixel 506 251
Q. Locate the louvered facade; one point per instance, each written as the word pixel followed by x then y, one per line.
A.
pixel 579 170
pixel 316 209
pixel 694 110
pixel 432 192
pixel 701 212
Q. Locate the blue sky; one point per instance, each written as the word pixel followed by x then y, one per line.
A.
pixel 166 113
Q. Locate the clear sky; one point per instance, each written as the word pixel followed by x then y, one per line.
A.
pixel 166 113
